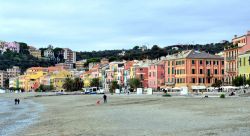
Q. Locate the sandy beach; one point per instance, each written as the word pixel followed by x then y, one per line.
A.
pixel 76 115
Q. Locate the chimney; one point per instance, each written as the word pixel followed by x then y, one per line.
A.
pixel 235 36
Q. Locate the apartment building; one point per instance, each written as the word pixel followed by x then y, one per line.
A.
pixel 69 56
pixel 193 68
pixel 3 77
pixel 13 72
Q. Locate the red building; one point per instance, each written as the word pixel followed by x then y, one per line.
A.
pixel 142 74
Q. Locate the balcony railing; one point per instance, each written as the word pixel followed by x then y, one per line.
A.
pixel 231 70
pixel 230 58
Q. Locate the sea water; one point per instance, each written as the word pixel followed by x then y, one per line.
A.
pixel 15 118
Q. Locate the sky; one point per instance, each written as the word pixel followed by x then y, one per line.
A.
pixel 86 25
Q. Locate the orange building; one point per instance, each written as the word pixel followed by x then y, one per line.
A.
pixel 193 68
pixel 239 46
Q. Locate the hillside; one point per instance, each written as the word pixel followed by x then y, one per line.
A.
pixel 24 60
pixel 154 52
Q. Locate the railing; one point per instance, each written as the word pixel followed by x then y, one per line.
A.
pixel 231 58
pixel 231 70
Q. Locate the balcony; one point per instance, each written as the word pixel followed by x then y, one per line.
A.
pixel 231 70
pixel 230 58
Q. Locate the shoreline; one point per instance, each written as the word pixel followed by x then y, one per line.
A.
pixel 16 118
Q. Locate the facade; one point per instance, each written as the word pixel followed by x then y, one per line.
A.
pixel 3 77
pixel 141 73
pixel 193 68
pixel 69 56
pixel 64 65
pixel 34 52
pixel 244 65
pixel 49 53
pixel 231 56
pixel 80 64
pixel 12 46
pixel 156 74
pixel 13 72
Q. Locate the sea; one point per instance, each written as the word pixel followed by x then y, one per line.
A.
pixel 16 118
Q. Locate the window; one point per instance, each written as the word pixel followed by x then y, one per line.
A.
pixel 222 71
pixel 168 70
pixel 201 80
pixel 193 62
pixel 193 71
pixel 222 62
pixel 193 80
pixel 208 72
pixel 215 71
pixel 208 80
pixel 168 63
pixel 173 71
pixel 201 62
pixel 208 62
pixel 201 71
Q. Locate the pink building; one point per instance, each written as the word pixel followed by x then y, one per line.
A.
pixel 12 46
pixel 156 75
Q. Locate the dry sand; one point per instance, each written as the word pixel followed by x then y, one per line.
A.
pixel 78 115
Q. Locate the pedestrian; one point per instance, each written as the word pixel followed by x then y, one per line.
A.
pixel 105 98
pixel 18 101
pixel 15 101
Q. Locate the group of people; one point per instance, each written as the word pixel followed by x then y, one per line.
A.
pixel 17 101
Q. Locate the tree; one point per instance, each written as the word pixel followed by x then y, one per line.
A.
pixel 114 85
pixel 155 48
pixel 134 83
pixel 95 82
pixel 77 84
pixel 218 84
pixel 136 48
pixel 68 84
pixel 44 88
pixel 6 83
pixel 238 81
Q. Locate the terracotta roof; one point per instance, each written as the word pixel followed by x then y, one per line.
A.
pixel 202 55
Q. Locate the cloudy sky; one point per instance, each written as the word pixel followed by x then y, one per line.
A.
pixel 116 24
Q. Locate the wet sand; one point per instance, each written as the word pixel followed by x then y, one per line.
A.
pixel 78 115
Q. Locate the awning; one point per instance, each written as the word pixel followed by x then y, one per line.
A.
pixel 198 87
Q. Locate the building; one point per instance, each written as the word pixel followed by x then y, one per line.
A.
pixel 64 65
pixel 104 61
pixel 69 56
pixel 3 77
pixel 156 74
pixel 34 52
pixel 244 65
pixel 193 69
pixel 49 53
pixel 12 46
pixel 13 72
pixel 239 45
pixel 80 65
pixel 141 73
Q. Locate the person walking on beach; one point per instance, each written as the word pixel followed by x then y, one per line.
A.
pixel 105 98
pixel 18 101
pixel 15 101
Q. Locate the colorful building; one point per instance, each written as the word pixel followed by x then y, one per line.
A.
pixel 156 74
pixel 193 68
pixel 231 56
pixel 244 65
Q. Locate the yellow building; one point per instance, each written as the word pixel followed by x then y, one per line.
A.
pixel 34 52
pixel 57 79
pixel 244 64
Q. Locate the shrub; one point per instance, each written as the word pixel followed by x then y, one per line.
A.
pixel 166 95
pixel 222 96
